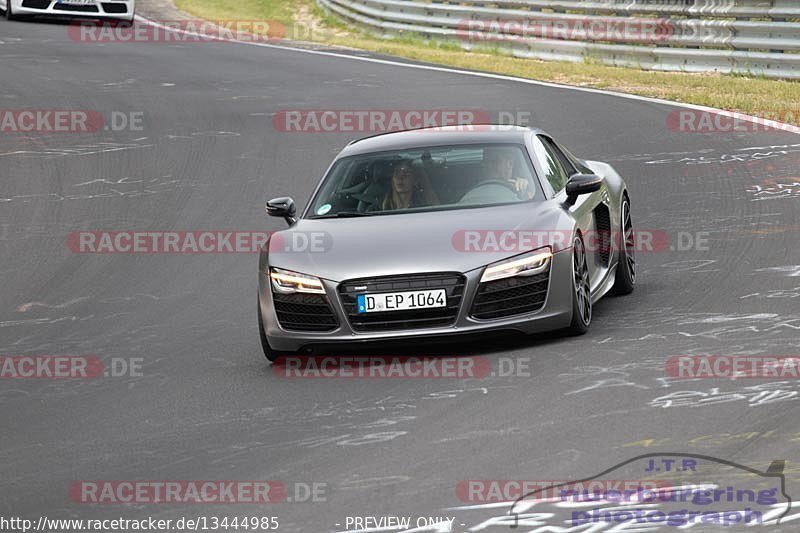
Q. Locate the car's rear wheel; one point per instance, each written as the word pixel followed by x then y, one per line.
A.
pixel 626 266
pixel 581 290
pixel 269 353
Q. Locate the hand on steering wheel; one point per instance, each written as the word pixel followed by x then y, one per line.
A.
pixel 505 183
pixel 520 186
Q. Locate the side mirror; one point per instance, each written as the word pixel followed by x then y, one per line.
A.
pixel 579 184
pixel 282 207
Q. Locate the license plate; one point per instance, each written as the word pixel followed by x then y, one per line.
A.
pixel 402 301
pixel 77 2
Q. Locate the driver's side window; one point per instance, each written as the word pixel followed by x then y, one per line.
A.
pixel 548 158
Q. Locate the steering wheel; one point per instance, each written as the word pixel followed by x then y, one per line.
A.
pixel 496 182
pixel 490 191
pixel 489 183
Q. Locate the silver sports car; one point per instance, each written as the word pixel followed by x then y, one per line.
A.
pixel 445 231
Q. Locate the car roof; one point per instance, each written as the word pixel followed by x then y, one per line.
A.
pixel 441 136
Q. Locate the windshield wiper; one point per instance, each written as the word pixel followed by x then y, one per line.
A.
pixel 344 214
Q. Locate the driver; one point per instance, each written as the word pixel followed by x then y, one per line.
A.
pixel 499 163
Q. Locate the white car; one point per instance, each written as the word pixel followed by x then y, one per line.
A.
pixel 105 9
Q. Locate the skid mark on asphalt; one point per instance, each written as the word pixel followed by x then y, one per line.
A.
pixel 107 181
pixel 718 319
pixel 372 483
pixel 741 155
pixel 691 265
pixel 651 375
pixel 24 308
pixel 653 156
pixel 730 327
pixel 43 321
pixel 78 151
pixel 794 292
pixel 753 396
pixel 793 271
pixel 202 134
pixel 790 188
pixel 483 434
pixel 113 189
pixel 593 377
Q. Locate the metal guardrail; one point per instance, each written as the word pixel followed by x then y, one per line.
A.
pixel 760 37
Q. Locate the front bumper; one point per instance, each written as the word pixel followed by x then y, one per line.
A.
pixel 102 9
pixel 555 314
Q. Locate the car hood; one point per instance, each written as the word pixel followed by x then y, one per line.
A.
pixel 346 248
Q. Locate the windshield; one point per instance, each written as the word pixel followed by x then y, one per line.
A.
pixel 427 179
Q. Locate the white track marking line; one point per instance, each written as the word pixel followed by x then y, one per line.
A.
pixel 778 126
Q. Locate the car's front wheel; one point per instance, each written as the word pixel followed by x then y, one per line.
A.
pixel 581 290
pixel 9 12
pixel 269 353
pixel 626 266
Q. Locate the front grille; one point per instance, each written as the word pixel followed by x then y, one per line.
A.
pixel 452 282
pixel 115 7
pixel 36 4
pixel 602 221
pixel 74 8
pixel 304 312
pixel 510 296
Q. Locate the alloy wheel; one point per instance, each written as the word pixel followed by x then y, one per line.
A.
pixel 583 293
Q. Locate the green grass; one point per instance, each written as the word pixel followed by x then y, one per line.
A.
pixel 280 10
pixel 304 18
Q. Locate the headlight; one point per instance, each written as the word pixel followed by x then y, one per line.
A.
pixel 288 282
pixel 526 264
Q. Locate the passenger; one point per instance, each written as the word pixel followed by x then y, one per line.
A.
pixel 499 163
pixel 410 188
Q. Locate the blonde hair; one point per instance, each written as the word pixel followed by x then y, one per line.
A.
pixel 422 195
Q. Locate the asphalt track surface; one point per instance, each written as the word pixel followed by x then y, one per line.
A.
pixel 207 406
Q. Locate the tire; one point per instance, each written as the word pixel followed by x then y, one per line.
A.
pixel 9 14
pixel 625 278
pixel 581 291
pixel 269 353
